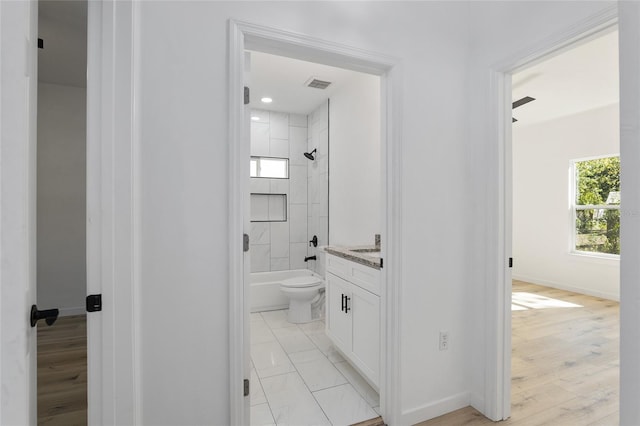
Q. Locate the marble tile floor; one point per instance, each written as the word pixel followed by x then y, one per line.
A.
pixel 298 378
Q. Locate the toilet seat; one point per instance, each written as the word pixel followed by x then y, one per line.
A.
pixel 301 282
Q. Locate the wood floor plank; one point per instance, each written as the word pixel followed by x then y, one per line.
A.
pixel 371 422
pixel 69 418
pixel 610 420
pixel 62 401
pixel 62 372
pixel 466 416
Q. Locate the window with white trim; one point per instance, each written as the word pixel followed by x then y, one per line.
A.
pixel 596 205
pixel 269 167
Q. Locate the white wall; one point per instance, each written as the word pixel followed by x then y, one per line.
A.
pixel 61 195
pixel 445 50
pixel 354 165
pixel 501 32
pixel 184 173
pixel 278 246
pixel 541 220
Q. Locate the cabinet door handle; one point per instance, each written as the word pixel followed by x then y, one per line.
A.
pixel 346 304
pixel 342 309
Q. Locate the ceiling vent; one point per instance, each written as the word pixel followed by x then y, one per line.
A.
pixel 317 83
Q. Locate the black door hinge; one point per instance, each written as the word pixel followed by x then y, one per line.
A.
pixel 246 95
pixel 246 387
pixel 381 263
pixel 511 262
pixel 40 43
pixel 245 242
pixel 94 303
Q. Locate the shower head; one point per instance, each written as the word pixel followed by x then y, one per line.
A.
pixel 309 155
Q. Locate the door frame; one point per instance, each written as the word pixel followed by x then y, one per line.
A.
pixel 113 212
pixel 498 309
pixel 244 35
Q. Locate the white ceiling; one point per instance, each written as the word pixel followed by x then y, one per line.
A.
pixel 576 80
pixel 283 80
pixel 63 27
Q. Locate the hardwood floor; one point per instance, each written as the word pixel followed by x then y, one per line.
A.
pixel 565 362
pixel 565 365
pixel 371 422
pixel 62 372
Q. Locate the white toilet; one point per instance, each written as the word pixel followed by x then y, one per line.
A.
pixel 301 292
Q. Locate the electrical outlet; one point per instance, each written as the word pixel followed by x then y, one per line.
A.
pixel 444 340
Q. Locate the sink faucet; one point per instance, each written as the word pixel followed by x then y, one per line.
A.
pixel 309 258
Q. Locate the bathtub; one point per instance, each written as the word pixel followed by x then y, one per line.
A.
pixel 265 289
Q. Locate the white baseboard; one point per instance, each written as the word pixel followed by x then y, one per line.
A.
pixel 67 312
pixel 435 409
pixel 562 286
pixel 267 308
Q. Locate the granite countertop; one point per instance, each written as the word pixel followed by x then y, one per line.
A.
pixel 365 255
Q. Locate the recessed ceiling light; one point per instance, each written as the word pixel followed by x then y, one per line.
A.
pixel 266 100
pixel 255 118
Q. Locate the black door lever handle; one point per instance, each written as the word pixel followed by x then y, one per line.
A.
pixel 49 315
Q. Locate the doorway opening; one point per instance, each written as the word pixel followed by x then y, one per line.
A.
pixel 263 40
pixel 61 211
pixel 312 126
pixel 564 167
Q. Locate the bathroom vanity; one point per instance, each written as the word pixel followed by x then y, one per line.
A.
pixel 353 307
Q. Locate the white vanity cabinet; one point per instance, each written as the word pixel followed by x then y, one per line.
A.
pixel 353 314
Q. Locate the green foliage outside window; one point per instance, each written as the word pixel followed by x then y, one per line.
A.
pixel 598 187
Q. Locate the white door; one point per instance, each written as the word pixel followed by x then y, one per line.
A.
pixel 18 90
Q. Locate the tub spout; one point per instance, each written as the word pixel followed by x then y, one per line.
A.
pixel 306 259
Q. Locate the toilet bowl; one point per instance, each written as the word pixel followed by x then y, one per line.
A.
pixel 301 292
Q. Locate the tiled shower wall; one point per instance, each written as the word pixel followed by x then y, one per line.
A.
pixel 277 246
pixel 318 182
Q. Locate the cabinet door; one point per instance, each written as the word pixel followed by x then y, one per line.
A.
pixel 339 326
pixel 366 332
